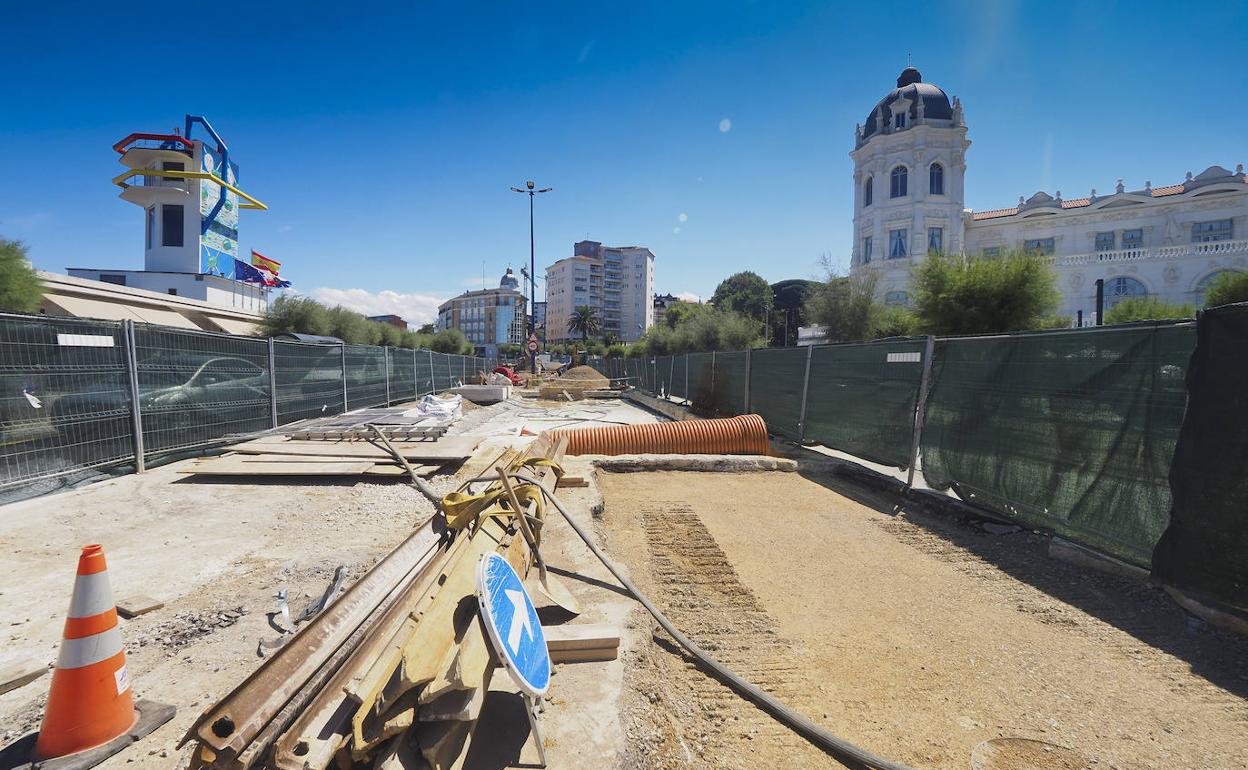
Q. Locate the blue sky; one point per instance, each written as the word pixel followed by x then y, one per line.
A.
pixel 384 137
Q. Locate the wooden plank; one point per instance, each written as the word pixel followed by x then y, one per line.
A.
pixel 572 481
pixel 21 673
pixel 591 655
pixel 580 636
pixel 228 466
pixel 446 448
pixel 139 604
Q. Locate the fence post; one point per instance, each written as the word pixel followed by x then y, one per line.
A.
pixel 688 400
pixel 748 356
pixel 801 420
pixel 714 401
pixel 132 375
pixel 387 352
pixel 920 407
pixel 272 382
pixel 463 370
pixel 433 377
pixel 671 375
pixel 344 377
pixel 415 379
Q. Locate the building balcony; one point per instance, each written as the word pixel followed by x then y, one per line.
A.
pixel 146 191
pixel 1210 249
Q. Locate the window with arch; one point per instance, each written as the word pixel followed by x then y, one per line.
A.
pixel 897 182
pixel 1122 287
pixel 936 179
pixel 1203 284
pixel 868 191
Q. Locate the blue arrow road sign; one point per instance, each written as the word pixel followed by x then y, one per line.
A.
pixel 512 621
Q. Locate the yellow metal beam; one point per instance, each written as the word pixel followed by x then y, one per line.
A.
pixel 251 203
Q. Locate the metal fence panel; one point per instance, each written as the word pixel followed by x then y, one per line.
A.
pixel 701 382
pixel 1072 431
pixel 402 375
pixel 198 387
pixel 309 380
pixel 424 372
pixel 776 376
pixel 679 377
pixel 64 397
pixel 366 376
pixel 729 389
pixel 861 398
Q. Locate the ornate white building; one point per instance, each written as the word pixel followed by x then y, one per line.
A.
pixel 909 177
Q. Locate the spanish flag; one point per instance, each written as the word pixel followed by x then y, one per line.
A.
pixel 261 261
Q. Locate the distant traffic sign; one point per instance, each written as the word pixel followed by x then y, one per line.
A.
pixel 513 624
pixel 532 346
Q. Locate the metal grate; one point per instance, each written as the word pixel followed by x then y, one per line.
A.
pixel 309 380
pixel 366 376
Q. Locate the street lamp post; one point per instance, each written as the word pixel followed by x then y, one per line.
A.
pixel 529 188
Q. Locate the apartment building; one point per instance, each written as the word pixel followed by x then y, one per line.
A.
pixel 617 281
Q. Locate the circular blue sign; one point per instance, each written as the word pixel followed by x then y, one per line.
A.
pixel 512 622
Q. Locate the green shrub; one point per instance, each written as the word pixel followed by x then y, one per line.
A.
pixel 1147 309
pixel 1228 287
pixel 20 287
pixel 974 295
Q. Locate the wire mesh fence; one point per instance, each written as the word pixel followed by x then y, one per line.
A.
pixel 69 388
pixel 197 387
pixel 64 397
pixel 777 377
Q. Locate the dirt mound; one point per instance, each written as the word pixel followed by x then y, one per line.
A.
pixel 586 377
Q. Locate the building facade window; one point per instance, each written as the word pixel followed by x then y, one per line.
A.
pixel 990 252
pixel 1105 241
pixel 896 244
pixel 899 119
pixel 897 182
pixel 936 179
pixel 866 249
pixel 935 240
pixel 1039 246
pixel 151 225
pixel 868 192
pixel 1216 230
pixel 897 299
pixel 1122 287
pixel 171 220
pixel 1133 239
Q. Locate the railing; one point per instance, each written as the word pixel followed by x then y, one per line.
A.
pixel 1209 249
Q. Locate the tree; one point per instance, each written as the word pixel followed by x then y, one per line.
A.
pixel 20 287
pixel 746 293
pixel 350 327
pixel 845 306
pixel 894 321
pixel 427 329
pixel 584 320
pixel 708 328
pixel 681 310
pixel 450 341
pixel 968 295
pixel 294 315
pixel 1228 287
pixel 789 299
pixel 616 350
pixel 1147 309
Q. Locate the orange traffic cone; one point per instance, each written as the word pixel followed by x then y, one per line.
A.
pixel 90 702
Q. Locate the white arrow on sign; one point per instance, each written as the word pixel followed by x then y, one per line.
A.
pixel 519 620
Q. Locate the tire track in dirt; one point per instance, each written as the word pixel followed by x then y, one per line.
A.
pixel 697 587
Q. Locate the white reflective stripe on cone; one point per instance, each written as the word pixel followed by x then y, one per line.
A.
pixel 76 653
pixel 92 595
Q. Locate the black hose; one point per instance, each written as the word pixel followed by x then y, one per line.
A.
pixel 801 725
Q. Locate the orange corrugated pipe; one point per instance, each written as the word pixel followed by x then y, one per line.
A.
pixel 742 435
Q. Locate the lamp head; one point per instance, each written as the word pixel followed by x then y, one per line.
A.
pixel 529 184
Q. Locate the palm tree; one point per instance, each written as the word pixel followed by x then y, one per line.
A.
pixel 586 321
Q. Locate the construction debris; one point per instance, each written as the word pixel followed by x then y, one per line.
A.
pixel 395 670
pixel 287 456
pixel 573 383
pixel 136 605
pixel 583 642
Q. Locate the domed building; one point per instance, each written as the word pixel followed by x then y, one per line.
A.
pixel 488 317
pixel 909 176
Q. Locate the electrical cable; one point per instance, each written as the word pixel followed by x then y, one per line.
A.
pixel 795 721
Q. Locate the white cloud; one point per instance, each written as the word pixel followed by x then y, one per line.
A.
pixel 414 308
pixel 683 217
pixel 285 228
pixel 676 231
pixel 687 296
pixel 725 126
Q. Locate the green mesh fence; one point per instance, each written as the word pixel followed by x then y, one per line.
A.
pixel 1206 545
pixel 424 372
pixel 366 376
pixel 776 377
pixel 861 399
pixel 1071 432
pixel 701 381
pixel 729 387
pixel 679 378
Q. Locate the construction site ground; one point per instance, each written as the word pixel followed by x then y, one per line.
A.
pixel 912 634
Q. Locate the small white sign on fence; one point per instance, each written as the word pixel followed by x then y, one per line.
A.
pixel 905 358
pixel 85 340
